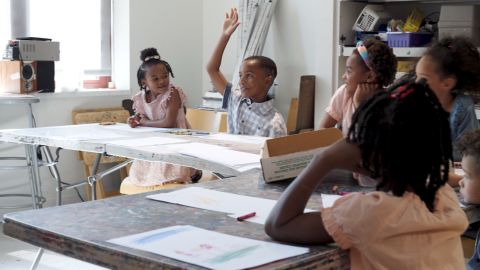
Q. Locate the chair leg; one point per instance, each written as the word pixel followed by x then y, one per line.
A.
pixel 86 171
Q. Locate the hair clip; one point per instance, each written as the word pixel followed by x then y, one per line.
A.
pixel 401 92
pixel 148 58
pixel 363 52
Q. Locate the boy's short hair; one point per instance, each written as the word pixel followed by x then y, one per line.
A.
pixel 469 145
pixel 265 63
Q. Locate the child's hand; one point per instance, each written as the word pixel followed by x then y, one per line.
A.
pixel 134 120
pixel 363 92
pixel 231 22
pixel 143 120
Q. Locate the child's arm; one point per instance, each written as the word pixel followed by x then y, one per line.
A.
pixel 174 103
pixel 327 121
pixel 287 222
pixel 213 67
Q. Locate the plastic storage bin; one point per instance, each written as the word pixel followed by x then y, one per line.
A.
pixel 400 39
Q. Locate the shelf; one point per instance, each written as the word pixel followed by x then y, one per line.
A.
pixel 399 52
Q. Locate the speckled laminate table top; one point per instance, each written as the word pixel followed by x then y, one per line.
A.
pixel 81 230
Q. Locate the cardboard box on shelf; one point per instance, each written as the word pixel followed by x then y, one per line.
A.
pixel 285 157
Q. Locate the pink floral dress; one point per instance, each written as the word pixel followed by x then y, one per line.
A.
pixel 145 173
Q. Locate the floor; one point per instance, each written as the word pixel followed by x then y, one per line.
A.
pixel 17 255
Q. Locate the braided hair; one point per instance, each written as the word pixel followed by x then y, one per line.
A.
pixel 404 137
pixel 150 57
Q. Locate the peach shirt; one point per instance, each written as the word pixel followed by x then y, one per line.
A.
pixel 341 108
pixel 384 231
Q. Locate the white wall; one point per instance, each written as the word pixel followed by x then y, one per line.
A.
pixel 300 41
pixel 214 15
pixel 174 27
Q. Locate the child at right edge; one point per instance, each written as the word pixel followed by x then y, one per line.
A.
pixel 250 108
pixel 469 146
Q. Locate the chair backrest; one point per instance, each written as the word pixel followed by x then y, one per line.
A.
pixel 88 116
pixel 207 120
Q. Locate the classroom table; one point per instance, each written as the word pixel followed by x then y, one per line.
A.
pixel 81 230
pixel 215 152
pixel 100 139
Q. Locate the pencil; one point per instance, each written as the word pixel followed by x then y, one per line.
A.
pixel 246 216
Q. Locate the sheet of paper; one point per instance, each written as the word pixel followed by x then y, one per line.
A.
pixel 125 127
pixel 144 141
pixel 72 132
pixel 207 248
pixel 215 153
pixel 329 199
pixel 232 204
pixel 238 138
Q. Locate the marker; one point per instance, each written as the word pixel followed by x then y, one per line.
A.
pixel 200 133
pixel 246 216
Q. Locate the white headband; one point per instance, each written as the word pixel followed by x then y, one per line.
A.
pixel 152 57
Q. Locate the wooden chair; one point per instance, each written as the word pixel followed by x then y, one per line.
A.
pixel 207 120
pixel 86 116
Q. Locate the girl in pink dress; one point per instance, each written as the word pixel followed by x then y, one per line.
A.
pixel 159 104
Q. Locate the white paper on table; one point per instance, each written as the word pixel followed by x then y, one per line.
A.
pixel 233 204
pixel 329 199
pixel 237 138
pixel 126 127
pixel 145 141
pixel 73 132
pixel 207 248
pixel 215 153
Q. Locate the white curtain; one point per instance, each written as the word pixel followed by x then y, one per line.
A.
pixel 256 16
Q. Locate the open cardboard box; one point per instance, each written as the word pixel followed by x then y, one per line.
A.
pixel 285 157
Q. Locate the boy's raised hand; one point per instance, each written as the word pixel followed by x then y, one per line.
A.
pixel 231 22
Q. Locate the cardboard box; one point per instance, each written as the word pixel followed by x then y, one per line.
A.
pixel 285 157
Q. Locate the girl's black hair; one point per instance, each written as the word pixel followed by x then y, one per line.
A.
pixel 150 57
pixel 457 56
pixel 381 60
pixel 404 136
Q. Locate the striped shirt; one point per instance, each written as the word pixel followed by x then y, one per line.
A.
pixel 246 117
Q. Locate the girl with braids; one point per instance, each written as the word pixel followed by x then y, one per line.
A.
pixel 413 220
pixel 371 67
pixel 451 68
pixel 158 104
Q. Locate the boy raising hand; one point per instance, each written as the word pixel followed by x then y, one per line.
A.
pixel 250 109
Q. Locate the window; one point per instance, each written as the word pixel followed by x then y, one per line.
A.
pixel 83 28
